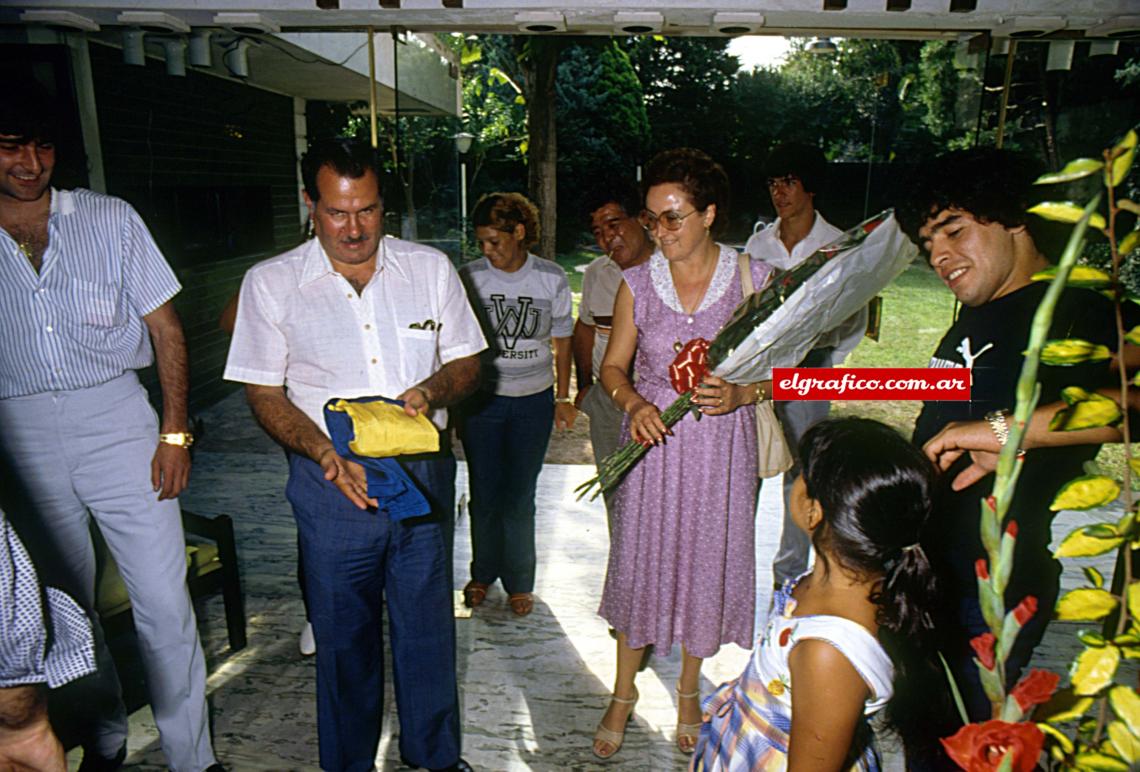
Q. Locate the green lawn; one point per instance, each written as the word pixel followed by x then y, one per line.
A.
pixel 917 311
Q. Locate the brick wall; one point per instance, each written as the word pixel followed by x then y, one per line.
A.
pixel 210 165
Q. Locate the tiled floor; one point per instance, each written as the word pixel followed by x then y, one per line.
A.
pixel 532 690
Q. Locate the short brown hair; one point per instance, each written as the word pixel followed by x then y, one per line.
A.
pixel 506 211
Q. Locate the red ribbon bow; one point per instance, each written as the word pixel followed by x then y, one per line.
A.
pixel 691 365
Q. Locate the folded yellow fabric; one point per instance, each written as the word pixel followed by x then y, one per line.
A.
pixel 382 429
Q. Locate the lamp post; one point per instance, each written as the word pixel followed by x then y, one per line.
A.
pixel 462 145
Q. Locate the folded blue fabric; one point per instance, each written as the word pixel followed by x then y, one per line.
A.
pixel 388 483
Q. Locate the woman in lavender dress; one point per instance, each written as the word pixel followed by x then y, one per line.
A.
pixel 681 552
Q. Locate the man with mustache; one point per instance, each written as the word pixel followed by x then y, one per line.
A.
pixel 612 207
pixel 967 212
pixel 355 313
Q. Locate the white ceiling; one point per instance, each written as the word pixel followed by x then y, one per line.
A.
pixel 854 18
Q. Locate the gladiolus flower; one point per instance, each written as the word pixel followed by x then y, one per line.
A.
pixel 983 646
pixel 1025 610
pixel 981 747
pixel 1035 688
pixel 980 569
pixel 1011 529
pixel 991 502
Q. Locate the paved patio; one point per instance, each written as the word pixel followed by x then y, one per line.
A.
pixel 531 690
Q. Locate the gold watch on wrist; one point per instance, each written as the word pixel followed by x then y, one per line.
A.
pixel 178 439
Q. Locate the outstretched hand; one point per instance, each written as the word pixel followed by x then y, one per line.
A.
pixel 348 476
pixel 957 438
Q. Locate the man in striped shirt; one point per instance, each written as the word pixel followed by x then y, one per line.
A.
pixel 84 293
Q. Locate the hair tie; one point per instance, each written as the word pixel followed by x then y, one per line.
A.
pixel 889 566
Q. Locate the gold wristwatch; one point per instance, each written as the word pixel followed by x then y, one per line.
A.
pixel 180 439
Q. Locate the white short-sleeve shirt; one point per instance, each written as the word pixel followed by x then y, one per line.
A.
pixel 600 284
pixel 301 325
pixel 766 246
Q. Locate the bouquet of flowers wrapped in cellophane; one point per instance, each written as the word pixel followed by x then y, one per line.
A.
pixel 779 324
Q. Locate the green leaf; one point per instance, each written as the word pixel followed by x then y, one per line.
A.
pixel 1133 336
pixel 1085 604
pixel 1090 638
pixel 1129 242
pixel 1128 205
pixel 1092 761
pixel 1093 410
pixel 1071 351
pixel 1074 170
pixel 1087 492
pixel 1096 578
pixel 1126 705
pixel 1124 742
pixel 1057 736
pixel 1079 276
pixel 1093 670
pixel 1133 596
pixel 1065 211
pixel 1122 156
pixel 1079 544
pixel 471 55
pixel 1063 706
pixel 1102 530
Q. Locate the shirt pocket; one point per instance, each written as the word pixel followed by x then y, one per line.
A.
pixel 417 353
pixel 93 304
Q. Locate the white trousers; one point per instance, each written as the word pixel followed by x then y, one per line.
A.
pixel 86 454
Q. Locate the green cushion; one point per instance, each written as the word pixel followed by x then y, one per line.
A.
pixel 111 592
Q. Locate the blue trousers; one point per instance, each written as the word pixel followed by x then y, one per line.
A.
pixel 352 559
pixel 505 439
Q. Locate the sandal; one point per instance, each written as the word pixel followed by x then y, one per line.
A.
pixel 610 736
pixel 687 734
pixel 474 593
pixel 522 603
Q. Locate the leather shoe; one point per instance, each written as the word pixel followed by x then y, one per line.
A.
pixel 93 762
pixel 215 768
pixel 459 766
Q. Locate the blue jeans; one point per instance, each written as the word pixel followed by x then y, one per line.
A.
pixel 352 557
pixel 505 441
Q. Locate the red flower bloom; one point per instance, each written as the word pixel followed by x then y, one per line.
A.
pixel 1035 688
pixel 1011 528
pixel 690 366
pixel 981 747
pixel 991 502
pixel 1025 610
pixel 980 569
pixel 983 646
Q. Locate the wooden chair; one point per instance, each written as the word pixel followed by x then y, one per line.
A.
pixel 211 565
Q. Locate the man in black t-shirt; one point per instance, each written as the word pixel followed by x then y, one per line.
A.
pixel 968 214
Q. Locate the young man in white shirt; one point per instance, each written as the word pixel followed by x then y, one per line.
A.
pixel 796 173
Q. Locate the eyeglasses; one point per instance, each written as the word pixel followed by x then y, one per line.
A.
pixel 671 220
pixel 787 181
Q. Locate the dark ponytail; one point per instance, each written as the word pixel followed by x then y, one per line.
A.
pixel 875 490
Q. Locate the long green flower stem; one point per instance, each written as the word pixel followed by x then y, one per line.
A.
pixel 614 466
pixel 1009 463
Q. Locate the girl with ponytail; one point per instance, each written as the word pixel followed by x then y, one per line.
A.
pixel 853 635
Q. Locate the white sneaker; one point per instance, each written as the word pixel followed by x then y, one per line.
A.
pixel 307 644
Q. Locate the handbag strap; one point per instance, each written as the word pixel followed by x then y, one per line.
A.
pixel 745 273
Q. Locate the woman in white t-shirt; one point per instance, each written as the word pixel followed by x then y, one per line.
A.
pixel 523 303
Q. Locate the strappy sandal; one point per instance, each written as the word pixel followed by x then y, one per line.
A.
pixel 522 603
pixel 687 734
pixel 474 593
pixel 610 736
